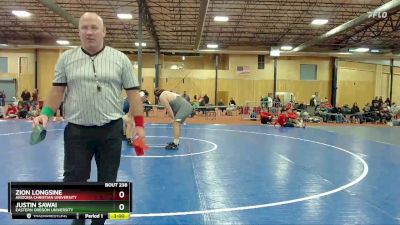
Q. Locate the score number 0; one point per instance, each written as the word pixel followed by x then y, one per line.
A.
pixel 121 194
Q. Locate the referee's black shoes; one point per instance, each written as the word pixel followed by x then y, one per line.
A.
pixel 172 146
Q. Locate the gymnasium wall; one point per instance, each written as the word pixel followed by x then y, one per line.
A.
pixel 198 76
pixel 21 66
pixel 289 77
pixel 361 82
pixel 190 62
pixel 385 84
pixel 47 60
pixel 356 83
pixel 256 83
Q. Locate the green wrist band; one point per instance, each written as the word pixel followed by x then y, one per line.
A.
pixel 47 111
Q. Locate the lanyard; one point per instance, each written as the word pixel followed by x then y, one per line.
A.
pixel 95 74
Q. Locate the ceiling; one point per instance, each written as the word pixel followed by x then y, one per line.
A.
pixel 188 25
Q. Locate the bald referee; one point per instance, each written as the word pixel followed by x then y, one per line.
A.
pixel 92 78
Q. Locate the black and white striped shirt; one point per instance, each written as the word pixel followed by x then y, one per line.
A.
pixel 84 104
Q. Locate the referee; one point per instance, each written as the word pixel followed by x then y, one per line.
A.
pixel 94 75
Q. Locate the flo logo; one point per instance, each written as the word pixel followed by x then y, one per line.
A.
pixel 377 14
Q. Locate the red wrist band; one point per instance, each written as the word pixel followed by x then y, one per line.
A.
pixel 139 121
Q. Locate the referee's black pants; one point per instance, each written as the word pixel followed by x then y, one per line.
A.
pixel 81 143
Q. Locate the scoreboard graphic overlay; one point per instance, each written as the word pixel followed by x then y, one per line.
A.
pixel 57 200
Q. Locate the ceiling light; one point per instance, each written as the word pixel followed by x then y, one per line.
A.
pixel 208 50
pixel 212 46
pixel 275 51
pixel 221 18
pixel 183 58
pixel 62 42
pixel 125 16
pixel 286 47
pixel 20 13
pixel 359 50
pixel 375 50
pixel 3 45
pixel 319 22
pixel 143 44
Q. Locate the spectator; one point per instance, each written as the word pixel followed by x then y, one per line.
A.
pixel 387 101
pixel 384 113
pixel 11 112
pixel 35 98
pixel 221 104
pixel 355 113
pixel 354 108
pixel 317 99
pixel 145 99
pixel 2 98
pixel 26 96
pixel 206 99
pixel 23 110
pixel 324 101
pixel 367 108
pixel 35 95
pixel 185 96
pixel 232 102
pixel 266 117
pixel 285 121
pixel 375 104
pixel 313 101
